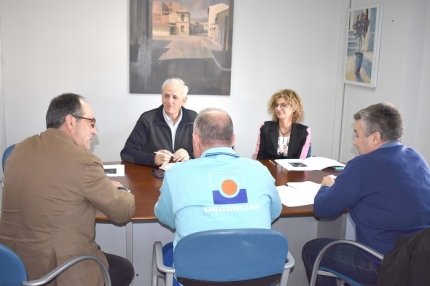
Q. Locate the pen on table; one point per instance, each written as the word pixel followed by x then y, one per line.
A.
pixel 161 153
pixel 271 162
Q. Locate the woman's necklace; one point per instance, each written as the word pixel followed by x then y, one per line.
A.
pixel 283 134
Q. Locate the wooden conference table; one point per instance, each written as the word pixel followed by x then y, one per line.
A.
pixel 297 223
pixel 146 187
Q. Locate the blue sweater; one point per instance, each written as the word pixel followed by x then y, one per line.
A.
pixel 387 193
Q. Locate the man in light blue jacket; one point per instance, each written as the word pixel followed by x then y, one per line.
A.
pixel 219 190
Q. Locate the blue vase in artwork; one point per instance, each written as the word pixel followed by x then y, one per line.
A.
pixel 358 59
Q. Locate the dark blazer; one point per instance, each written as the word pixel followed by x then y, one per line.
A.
pixel 407 263
pixel 267 144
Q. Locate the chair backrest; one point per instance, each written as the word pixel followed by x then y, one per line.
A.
pixel 6 154
pixel 12 270
pixel 14 273
pixel 231 255
pixel 309 152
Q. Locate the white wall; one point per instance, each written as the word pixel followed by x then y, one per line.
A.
pixel 50 47
pixel 3 145
pixel 2 115
pixel 422 127
pixel 403 77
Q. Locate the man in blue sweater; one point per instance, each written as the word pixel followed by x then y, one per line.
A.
pixel 386 190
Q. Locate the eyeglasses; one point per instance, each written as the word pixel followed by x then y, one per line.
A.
pixel 92 120
pixel 283 105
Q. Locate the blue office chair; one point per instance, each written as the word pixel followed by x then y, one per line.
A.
pixel 226 257
pixel 309 152
pixel 321 270
pixel 6 154
pixel 14 273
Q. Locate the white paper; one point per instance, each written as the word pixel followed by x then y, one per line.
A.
pixel 114 170
pixel 308 164
pixel 166 166
pixel 298 193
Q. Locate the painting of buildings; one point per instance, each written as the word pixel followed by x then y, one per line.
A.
pixel 189 39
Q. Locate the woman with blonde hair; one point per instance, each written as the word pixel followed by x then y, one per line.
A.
pixel 284 137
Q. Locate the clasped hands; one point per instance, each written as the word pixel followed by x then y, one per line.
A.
pixel 164 156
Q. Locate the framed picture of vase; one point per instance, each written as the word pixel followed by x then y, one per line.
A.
pixel 363 43
pixel 188 39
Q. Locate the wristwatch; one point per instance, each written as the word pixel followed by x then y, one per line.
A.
pixel 123 188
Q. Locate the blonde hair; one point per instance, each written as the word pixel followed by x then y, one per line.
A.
pixel 293 99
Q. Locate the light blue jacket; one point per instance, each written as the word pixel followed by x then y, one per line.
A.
pixel 219 190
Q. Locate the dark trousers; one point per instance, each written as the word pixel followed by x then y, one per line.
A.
pixel 343 258
pixel 121 271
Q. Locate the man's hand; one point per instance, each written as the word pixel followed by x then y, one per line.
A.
pixel 181 155
pixel 328 180
pixel 116 184
pixel 162 156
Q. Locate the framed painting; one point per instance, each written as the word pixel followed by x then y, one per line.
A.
pixel 362 51
pixel 188 39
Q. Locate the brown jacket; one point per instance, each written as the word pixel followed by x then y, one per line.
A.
pixel 51 192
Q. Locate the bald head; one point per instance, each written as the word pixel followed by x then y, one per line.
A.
pixel 214 128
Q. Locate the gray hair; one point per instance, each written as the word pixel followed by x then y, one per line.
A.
pixel 214 127
pixel 384 118
pixel 175 82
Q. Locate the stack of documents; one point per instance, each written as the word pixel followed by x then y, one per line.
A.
pixel 309 164
pixel 298 193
